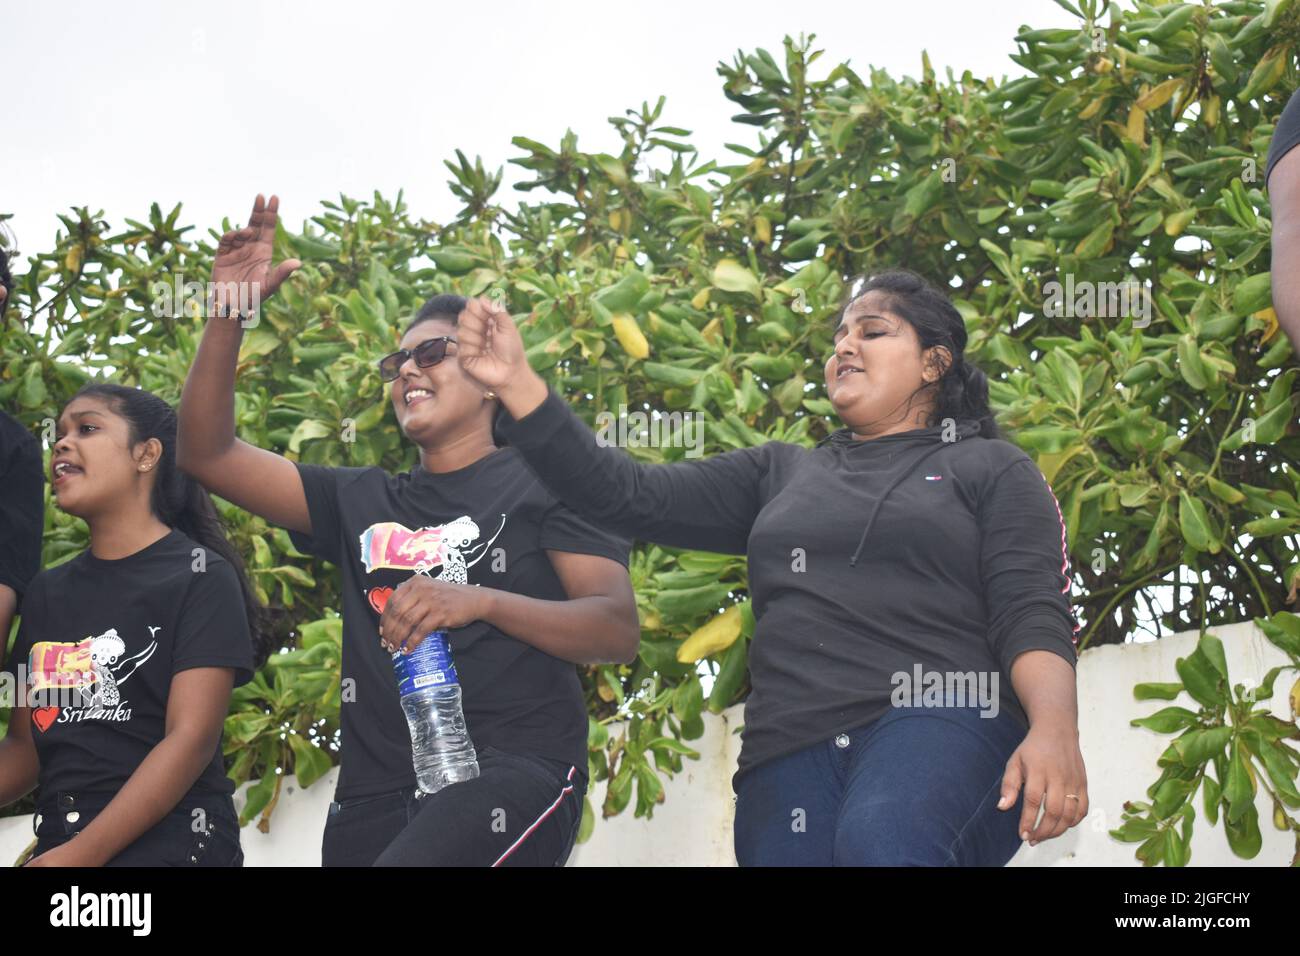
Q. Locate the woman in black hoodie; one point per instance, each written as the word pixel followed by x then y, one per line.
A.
pixel 913 658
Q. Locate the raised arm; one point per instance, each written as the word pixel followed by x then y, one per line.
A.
pixel 256 480
pixel 708 504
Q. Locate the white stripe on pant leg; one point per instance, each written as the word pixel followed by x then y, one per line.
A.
pixel 539 820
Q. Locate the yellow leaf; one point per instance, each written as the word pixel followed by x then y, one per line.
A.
pixel 630 336
pixel 713 330
pixel 1269 318
pixel 730 276
pixel 717 635
pixel 1210 111
pixel 1050 465
pixel 1176 222
pixel 763 230
pixel 1135 130
pixel 1091 110
pixel 700 299
pixel 1155 98
pixel 1295 700
pixel 603 690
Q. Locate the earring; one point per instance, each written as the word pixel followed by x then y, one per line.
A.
pixel 489 395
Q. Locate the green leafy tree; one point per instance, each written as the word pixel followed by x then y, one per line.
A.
pixel 652 278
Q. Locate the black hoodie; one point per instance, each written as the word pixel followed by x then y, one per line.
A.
pixel 933 549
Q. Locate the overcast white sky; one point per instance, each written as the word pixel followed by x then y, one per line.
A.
pixel 117 105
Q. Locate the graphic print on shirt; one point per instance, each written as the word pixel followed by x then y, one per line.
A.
pixel 392 545
pixel 94 666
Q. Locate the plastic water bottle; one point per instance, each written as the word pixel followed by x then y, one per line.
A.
pixel 441 749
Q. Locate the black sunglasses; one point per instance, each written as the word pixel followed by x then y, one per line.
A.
pixel 427 354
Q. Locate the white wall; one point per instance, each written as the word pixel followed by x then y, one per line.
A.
pixel 692 827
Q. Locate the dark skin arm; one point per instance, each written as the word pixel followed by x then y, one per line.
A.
pixel 8 608
pixel 596 625
pixel 19 764
pixel 256 480
pixel 1284 195
pixel 1048 762
pixel 196 711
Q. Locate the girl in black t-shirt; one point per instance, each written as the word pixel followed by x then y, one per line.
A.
pixel 127 654
pixel 467 541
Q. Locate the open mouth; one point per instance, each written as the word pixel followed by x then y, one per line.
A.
pixel 844 370
pixel 415 395
pixel 61 469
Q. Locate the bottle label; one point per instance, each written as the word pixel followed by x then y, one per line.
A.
pixel 429 665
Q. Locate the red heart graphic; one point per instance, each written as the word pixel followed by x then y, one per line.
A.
pixel 379 598
pixel 43 717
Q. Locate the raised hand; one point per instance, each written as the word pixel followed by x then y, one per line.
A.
pixel 491 352
pixel 242 266
pixel 488 345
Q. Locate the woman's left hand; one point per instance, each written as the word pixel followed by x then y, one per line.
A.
pixel 64 855
pixel 422 604
pixel 1049 766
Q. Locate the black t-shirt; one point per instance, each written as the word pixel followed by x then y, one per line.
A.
pixel 1286 135
pixel 106 637
pixel 491 524
pixel 21 508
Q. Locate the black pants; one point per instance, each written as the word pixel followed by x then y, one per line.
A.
pixel 200 831
pixel 519 811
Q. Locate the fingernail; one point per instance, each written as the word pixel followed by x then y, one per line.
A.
pixel 1024 834
pixel 1002 803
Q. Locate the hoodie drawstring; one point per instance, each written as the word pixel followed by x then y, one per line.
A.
pixel 853 562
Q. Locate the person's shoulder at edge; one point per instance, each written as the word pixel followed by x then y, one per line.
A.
pixel 16 441
pixel 1286 136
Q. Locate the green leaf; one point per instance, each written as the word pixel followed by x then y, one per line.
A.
pixel 1194 522
pixel 1200 679
pixel 310 762
pixel 1167 720
pixel 1236 788
pixel 308 429
pixel 1157 691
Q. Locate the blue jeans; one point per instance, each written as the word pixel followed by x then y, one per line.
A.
pixel 916 787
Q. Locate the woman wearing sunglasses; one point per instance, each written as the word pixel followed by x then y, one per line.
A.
pixel 467 540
